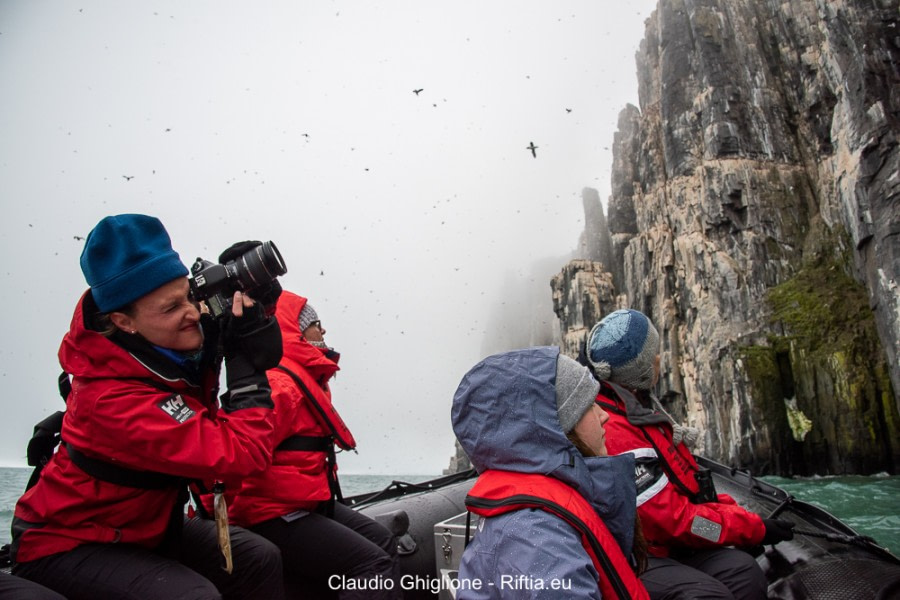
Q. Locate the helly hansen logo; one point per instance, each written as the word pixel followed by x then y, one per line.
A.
pixel 642 475
pixel 647 473
pixel 175 407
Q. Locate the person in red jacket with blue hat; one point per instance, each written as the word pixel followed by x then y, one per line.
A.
pixel 687 526
pixel 106 517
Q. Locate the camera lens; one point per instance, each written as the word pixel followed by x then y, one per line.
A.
pixel 260 266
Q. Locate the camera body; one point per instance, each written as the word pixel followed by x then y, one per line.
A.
pixel 253 270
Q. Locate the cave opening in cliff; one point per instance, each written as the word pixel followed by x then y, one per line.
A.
pixel 785 373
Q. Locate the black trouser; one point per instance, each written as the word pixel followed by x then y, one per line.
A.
pixel 16 588
pixel 328 557
pixel 708 574
pixel 126 571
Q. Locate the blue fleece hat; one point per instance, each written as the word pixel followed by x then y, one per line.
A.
pixel 126 257
pixel 622 348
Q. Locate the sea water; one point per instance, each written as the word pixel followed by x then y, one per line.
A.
pixel 869 505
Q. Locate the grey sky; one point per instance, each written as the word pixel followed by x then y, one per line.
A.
pixel 398 215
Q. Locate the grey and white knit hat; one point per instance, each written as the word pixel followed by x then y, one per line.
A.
pixel 576 391
pixel 622 348
pixel 308 316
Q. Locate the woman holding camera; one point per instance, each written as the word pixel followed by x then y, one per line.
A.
pixel 106 518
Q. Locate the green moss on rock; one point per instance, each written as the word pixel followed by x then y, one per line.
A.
pixel 824 353
pixel 823 309
pixel 838 364
pixel 761 368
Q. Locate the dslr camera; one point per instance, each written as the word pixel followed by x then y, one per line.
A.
pixel 253 270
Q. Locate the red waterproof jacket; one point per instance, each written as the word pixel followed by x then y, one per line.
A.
pixel 134 410
pixel 665 477
pixel 307 429
pixel 499 492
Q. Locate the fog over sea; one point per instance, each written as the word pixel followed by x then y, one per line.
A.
pixel 870 505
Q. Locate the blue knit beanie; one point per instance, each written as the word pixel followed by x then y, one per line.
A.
pixel 622 348
pixel 126 257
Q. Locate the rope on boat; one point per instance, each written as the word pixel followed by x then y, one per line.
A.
pixel 403 487
pixel 859 540
pixel 781 506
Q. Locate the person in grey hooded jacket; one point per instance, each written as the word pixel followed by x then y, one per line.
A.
pixel 555 522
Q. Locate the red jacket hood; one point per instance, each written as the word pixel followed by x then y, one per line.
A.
pixel 88 353
pixel 295 346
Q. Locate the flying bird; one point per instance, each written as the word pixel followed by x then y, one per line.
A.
pixel 416 92
pixel 568 110
pixel 78 237
pixel 533 148
pixel 128 177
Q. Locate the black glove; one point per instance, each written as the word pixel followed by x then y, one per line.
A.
pixel 254 337
pixel 237 249
pixel 777 530
pixel 267 294
pixel 251 344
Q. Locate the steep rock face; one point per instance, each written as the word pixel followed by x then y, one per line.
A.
pixel 755 217
pixel 459 462
pixel 582 293
pixel 595 243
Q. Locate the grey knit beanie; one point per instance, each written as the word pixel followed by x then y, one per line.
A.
pixel 622 348
pixel 308 316
pixel 576 391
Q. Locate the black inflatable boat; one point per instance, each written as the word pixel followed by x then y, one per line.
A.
pixel 826 559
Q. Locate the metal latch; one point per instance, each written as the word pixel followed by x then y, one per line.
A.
pixel 446 547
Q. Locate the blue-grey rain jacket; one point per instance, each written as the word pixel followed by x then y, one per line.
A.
pixel 504 415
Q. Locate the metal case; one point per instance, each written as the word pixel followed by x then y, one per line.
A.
pixel 449 543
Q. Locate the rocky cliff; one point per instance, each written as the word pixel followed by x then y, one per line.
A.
pixel 755 217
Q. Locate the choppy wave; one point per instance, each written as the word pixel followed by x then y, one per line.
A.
pixel 870 505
